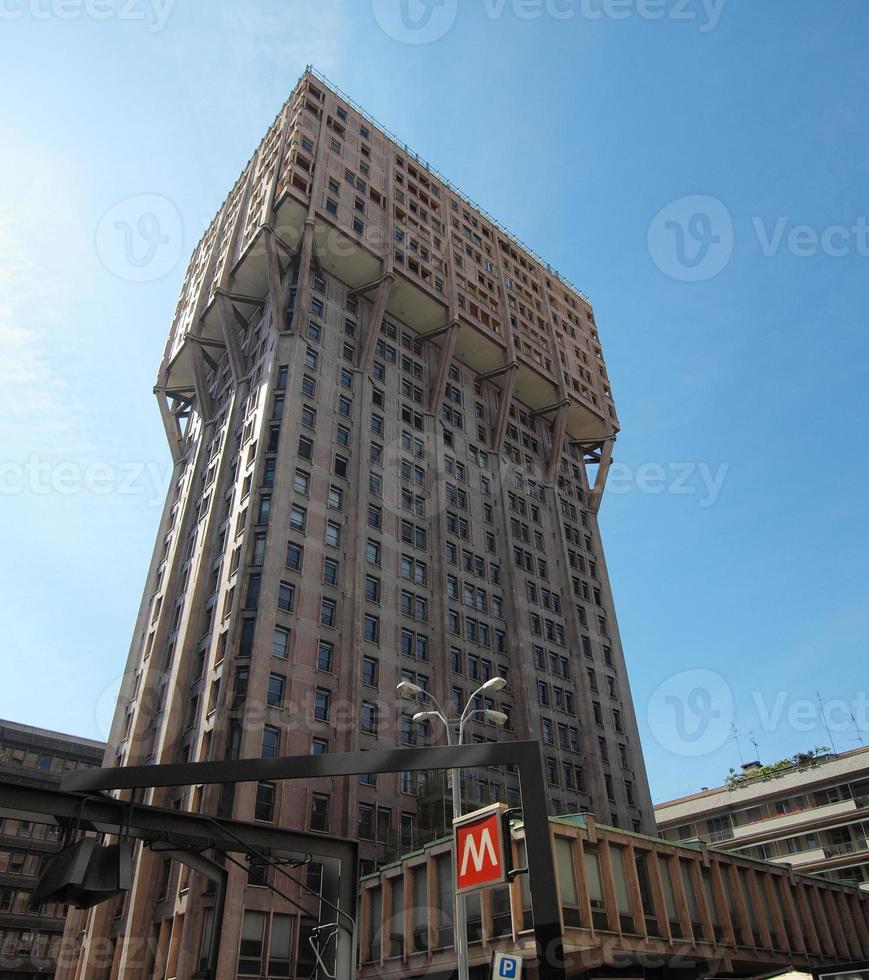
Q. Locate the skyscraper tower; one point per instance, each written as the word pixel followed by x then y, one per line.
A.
pixel 384 413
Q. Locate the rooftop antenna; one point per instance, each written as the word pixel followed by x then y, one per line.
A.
pixel 826 723
pixel 753 741
pixel 857 730
pixel 735 736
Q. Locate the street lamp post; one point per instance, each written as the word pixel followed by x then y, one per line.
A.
pixel 455 731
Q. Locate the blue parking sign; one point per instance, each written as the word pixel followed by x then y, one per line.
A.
pixel 505 966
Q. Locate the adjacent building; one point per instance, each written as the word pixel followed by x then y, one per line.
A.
pixel 631 906
pixel 30 938
pixel 812 814
pixel 391 424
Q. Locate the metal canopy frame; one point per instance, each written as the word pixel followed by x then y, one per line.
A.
pixel 185 835
pixel 523 755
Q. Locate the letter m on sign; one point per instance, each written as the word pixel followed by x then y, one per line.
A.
pixel 479 848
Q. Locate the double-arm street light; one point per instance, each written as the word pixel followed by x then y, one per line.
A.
pixel 455 729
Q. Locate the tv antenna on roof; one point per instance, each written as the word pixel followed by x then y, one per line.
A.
pixel 826 723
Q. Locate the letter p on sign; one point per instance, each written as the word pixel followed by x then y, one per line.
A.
pixel 506 965
pixel 478 839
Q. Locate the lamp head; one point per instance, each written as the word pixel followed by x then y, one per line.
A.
pixel 407 689
pixel 494 684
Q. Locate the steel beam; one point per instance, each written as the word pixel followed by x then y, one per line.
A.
pixel 523 755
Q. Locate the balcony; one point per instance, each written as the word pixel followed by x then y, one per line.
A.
pixel 774 826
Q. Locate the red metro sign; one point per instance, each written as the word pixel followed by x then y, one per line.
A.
pixel 479 848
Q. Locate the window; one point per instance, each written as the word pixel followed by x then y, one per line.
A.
pixel 371 628
pixel 253 589
pixel 264 808
pixel 368 718
pixel 295 555
pixel 330 571
pixel 319 812
pixel 250 952
pixel 286 596
pixel 365 824
pixel 336 498
pixel 372 588
pixel 373 551
pixel 280 942
pixel 245 642
pixel 298 517
pixel 333 534
pixel 325 656
pixel 275 693
pixel 302 482
pixel 369 671
pixel 281 642
pixel 271 742
pixel 328 612
pixel 322 703
pixel 306 448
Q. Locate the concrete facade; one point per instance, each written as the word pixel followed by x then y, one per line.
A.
pixel 814 818
pixel 30 938
pixel 391 424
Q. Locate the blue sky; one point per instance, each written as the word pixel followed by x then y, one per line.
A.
pixel 661 154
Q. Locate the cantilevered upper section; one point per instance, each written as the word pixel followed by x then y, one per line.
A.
pixel 378 211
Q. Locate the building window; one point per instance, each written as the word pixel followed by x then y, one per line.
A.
pixel 264 809
pixel 330 571
pixel 325 656
pixel 286 596
pixel 271 742
pixel 333 534
pixel 281 642
pixel 275 695
pixel 319 812
pixel 322 703
pixel 328 612
pixel 371 628
pixel 368 718
pixel 250 954
pixel 245 641
pixel 369 671
pixel 295 556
